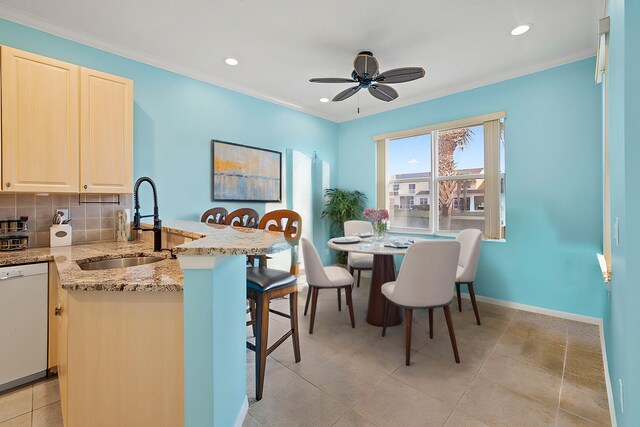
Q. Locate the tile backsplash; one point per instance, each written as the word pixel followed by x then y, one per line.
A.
pixel 91 222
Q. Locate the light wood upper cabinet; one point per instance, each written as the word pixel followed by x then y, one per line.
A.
pixel 106 133
pixel 40 114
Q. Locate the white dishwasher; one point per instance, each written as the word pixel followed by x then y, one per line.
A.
pixel 23 324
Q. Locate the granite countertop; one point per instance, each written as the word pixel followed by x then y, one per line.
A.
pixel 214 239
pixel 161 276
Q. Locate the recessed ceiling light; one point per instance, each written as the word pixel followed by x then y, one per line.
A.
pixel 324 99
pixel 520 29
pixel 231 61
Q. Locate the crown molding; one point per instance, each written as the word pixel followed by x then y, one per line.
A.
pixel 23 18
pixel 17 16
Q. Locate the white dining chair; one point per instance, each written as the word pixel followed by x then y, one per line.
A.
pixel 425 281
pixel 357 261
pixel 321 277
pixel 470 241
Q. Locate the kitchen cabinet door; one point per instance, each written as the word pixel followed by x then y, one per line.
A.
pixel 54 283
pixel 106 133
pixel 62 359
pixel 40 113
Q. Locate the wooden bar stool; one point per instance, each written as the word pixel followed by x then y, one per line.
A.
pixel 288 222
pixel 244 217
pixel 215 216
pixel 265 284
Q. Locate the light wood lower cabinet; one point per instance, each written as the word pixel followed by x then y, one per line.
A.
pixel 39 123
pixel 121 358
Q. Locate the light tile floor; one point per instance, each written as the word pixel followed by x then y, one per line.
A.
pixel 36 405
pixel 517 369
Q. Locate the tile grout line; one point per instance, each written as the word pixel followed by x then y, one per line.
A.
pixel 31 414
pixel 315 386
pixel 564 368
pixel 480 369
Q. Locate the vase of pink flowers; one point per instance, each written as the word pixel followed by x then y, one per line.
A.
pixel 378 218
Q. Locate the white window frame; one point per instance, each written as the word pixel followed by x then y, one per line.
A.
pixel 432 130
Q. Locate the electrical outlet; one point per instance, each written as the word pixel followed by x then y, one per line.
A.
pixel 65 213
pixel 621 396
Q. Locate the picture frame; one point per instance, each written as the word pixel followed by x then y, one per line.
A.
pixel 242 173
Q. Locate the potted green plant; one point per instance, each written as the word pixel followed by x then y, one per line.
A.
pixel 341 206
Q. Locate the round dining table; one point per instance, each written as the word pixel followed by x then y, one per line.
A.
pixel 384 270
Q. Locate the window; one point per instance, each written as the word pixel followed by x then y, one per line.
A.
pixel 462 162
pixel 409 163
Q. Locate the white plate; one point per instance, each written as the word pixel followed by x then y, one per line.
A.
pixel 365 235
pixel 347 240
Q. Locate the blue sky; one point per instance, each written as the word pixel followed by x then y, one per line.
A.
pixel 411 155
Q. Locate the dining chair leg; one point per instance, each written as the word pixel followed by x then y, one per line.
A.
pixel 452 335
pixel 431 323
pixel 252 310
pixel 293 313
pixel 472 295
pixel 386 315
pixel 359 273
pixel 314 303
pixel 339 299
pixel 351 269
pixel 408 314
pixel 347 291
pixel 306 304
pixel 262 338
pixel 459 297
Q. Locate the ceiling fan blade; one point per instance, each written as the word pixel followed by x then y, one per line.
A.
pixel 346 93
pixel 331 80
pixel 383 92
pixel 401 75
pixel 365 66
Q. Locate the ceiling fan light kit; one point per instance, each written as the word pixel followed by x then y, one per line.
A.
pixel 367 76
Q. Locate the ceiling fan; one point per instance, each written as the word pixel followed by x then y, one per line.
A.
pixel 365 74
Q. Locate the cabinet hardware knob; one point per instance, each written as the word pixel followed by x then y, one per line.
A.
pixel 8 184
pixel 85 186
pixel 58 311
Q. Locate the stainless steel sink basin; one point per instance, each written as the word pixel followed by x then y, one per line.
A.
pixel 107 264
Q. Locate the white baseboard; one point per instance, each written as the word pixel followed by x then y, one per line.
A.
pixel 570 316
pixel 243 413
pixel 612 404
pixel 533 309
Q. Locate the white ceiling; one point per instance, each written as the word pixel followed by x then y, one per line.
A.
pixel 281 44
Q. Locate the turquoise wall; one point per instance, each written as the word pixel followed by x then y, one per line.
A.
pixel 215 357
pixel 621 336
pixel 553 185
pixel 176 117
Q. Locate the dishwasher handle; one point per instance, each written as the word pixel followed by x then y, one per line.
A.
pixel 12 274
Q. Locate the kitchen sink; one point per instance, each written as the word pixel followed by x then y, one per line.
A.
pixel 106 264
